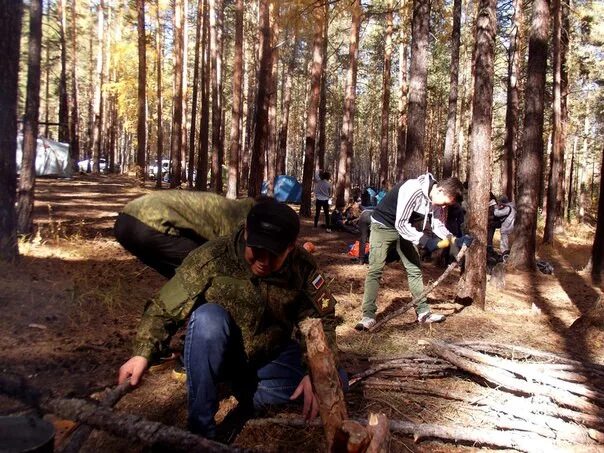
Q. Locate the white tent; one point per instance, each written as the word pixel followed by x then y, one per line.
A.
pixel 52 158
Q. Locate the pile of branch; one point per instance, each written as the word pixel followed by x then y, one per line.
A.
pixel 548 397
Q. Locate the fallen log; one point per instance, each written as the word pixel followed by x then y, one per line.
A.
pixel 507 380
pixel 457 434
pixel 325 378
pixel 378 325
pixel 351 437
pixel 543 423
pixel 82 432
pixel 127 426
pixel 531 352
pixel 527 373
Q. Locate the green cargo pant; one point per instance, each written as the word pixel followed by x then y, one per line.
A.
pixel 381 239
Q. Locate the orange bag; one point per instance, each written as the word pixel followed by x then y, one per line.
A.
pixel 354 251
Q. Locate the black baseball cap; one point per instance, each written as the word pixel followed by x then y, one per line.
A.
pixel 272 226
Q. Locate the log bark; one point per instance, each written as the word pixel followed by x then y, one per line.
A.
pixel 378 325
pixel 507 380
pixel 352 437
pixel 325 378
pixel 418 370
pixel 379 429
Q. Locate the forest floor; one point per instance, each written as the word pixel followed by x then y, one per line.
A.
pixel 71 305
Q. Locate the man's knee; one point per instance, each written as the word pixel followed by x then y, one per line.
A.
pixel 209 322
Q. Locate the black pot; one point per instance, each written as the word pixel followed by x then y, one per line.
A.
pixel 26 434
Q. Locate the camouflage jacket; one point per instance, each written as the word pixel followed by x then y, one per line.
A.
pixel 266 309
pixel 185 213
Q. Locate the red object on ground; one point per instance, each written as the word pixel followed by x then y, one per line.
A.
pixel 309 247
pixel 354 251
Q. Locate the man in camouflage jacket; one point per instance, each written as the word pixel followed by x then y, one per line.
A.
pixel 245 294
pixel 163 227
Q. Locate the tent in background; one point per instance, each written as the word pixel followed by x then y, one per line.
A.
pixel 52 158
pixel 287 189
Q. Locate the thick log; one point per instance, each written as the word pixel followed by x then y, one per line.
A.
pixel 456 434
pixel 528 373
pixel 127 426
pixel 541 419
pixel 508 381
pixel 325 378
pixel 379 324
pixel 108 399
pixel 379 429
pixel 352 437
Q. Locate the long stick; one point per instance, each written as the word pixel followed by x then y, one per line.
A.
pixel 378 325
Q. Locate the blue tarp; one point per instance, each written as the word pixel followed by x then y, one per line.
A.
pixel 287 189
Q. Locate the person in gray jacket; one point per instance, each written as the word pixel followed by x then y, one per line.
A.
pixel 505 212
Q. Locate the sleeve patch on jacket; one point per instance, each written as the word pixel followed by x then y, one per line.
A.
pixel 318 281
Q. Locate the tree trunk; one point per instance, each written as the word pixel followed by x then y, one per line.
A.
pixel 313 104
pixel 176 138
pixel 512 112
pixel 452 114
pixel 416 119
pixel 63 102
pixel 201 183
pixel 401 127
pixel 27 179
pixel 97 114
pixel 530 163
pixel 384 132
pixel 473 283
pixel 233 184
pixel 320 154
pixel 597 251
pixel 216 20
pixel 141 129
pixel 10 23
pixel 287 100
pixel 160 125
pixel 262 101
pixel 347 133
pixel 74 124
pixel 193 129
pixel 271 149
pixel 556 173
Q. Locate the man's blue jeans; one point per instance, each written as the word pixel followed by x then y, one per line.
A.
pixel 214 353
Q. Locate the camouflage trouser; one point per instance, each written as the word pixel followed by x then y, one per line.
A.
pixel 381 239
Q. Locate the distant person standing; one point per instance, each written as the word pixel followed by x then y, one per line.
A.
pixel 322 196
pixel 505 212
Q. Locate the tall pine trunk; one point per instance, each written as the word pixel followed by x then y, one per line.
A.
pixel 193 129
pixel 10 24
pixel 530 162
pixel 216 20
pixel 201 183
pixel 176 138
pixel 271 151
pixel 74 124
pixel 160 125
pixel 597 251
pixel 556 171
pixel 63 101
pixel 384 131
pixel 285 108
pixel 448 155
pixel 416 119
pixel 97 107
pixel 141 128
pixel 27 179
pixel 262 101
pixel 512 113
pixel 322 122
pixel 347 133
pixel 313 105
pixel 233 183
pixel 473 284
pixel 401 126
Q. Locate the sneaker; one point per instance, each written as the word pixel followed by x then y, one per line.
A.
pixel 179 373
pixel 328 230
pixel 428 318
pixel 365 324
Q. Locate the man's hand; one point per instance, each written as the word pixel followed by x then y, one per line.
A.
pixel 133 369
pixel 433 244
pixel 311 403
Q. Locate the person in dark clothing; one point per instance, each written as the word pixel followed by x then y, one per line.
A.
pixel 322 196
pixel 338 222
pixel 365 228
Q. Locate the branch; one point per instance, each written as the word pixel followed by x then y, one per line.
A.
pixel 426 291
